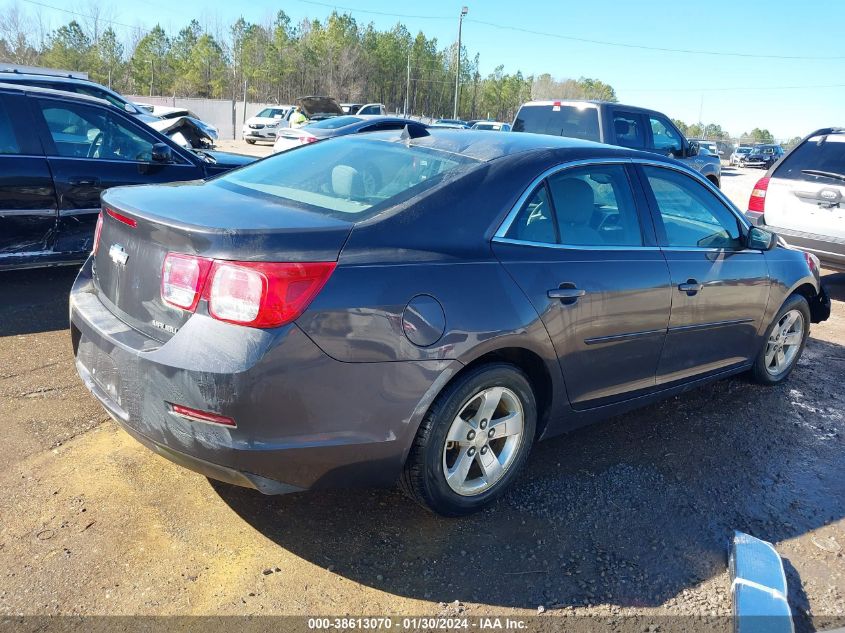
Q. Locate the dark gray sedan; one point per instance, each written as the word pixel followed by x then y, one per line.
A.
pixel 299 324
pixel 289 138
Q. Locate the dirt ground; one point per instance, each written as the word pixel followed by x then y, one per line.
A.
pixel 630 516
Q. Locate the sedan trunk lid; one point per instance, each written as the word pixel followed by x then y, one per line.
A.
pixel 142 224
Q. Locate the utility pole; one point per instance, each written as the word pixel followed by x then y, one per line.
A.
pixel 464 11
pixel 407 84
pixel 152 71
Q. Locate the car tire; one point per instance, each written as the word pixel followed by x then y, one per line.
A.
pixel 460 412
pixel 777 357
pixel 250 141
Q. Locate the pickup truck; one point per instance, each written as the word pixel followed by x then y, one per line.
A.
pixel 616 124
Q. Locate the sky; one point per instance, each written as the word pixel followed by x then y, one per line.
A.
pixel 772 64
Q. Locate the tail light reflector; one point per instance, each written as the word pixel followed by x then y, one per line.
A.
pixel 757 202
pixel 197 415
pixel 97 232
pixel 124 219
pixel 182 280
pixel 263 294
pixel 304 140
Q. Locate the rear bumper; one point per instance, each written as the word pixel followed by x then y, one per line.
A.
pixel 831 252
pixel 304 420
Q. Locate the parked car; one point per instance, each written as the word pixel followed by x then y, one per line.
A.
pixel 69 83
pixel 494 126
pixel 340 126
pixel 58 152
pixel 284 327
pixel 709 146
pixel 167 112
pixel 363 108
pixel 616 124
pixel 802 197
pixel 763 156
pixel 739 155
pixel 450 123
pixel 263 126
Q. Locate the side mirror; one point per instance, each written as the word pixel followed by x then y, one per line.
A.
pixel 760 239
pixel 130 108
pixel 693 148
pixel 162 153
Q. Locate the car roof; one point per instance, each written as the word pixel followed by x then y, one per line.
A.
pixel 595 102
pixel 12 76
pixel 484 146
pixel 50 92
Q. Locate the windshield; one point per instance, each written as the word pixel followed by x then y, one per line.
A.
pixel 334 123
pixel 564 120
pixel 269 113
pixel 825 153
pixel 348 176
pixel 743 150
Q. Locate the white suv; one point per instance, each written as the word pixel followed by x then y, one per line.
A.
pixel 802 197
pixel 263 126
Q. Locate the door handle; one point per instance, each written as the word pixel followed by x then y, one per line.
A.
pixel 567 293
pixel 84 182
pixel 691 287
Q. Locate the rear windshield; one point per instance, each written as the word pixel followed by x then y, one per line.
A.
pixel 347 176
pixel 563 120
pixel 335 122
pixel 824 153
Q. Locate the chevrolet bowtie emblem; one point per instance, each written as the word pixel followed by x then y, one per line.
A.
pixel 118 254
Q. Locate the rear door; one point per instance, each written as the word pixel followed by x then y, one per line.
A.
pixel 91 148
pixel 806 194
pixel 719 287
pixel 27 198
pixel 588 263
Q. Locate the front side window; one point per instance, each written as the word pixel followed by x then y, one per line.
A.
pixel 588 206
pixel 629 131
pixel 692 216
pixel 82 131
pixel 665 137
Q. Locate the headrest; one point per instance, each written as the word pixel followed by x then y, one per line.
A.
pixel 347 182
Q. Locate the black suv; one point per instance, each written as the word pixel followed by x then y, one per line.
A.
pixel 763 156
pixel 58 152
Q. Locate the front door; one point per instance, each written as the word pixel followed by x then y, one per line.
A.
pixel 91 148
pixel 590 267
pixel 719 287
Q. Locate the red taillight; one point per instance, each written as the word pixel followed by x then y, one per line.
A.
pixel 304 140
pixel 757 202
pixel 97 232
pixel 125 219
pixel 201 416
pixel 258 294
pixel 263 294
pixel 812 262
pixel 182 280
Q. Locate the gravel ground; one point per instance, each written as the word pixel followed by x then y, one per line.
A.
pixel 631 516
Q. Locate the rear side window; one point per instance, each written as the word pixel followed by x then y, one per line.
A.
pixel 335 122
pixel 348 176
pixel 563 120
pixel 823 153
pixel 8 141
pixel 629 130
pixel 588 206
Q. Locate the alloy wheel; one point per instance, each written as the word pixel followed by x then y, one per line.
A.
pixel 784 342
pixel 483 441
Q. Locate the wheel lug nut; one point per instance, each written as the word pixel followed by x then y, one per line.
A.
pixel 471 452
pixel 491 432
pixel 484 424
pixel 483 450
pixel 471 435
